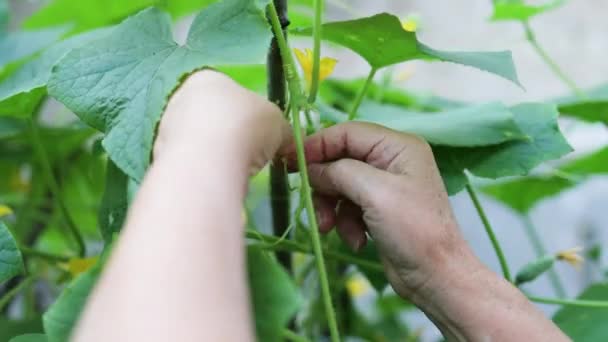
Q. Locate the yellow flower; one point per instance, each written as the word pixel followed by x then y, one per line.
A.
pixel 410 24
pixel 357 286
pixel 326 66
pixel 5 211
pixel 77 266
pixel 571 256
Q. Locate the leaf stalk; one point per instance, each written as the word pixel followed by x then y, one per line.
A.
pixel 490 231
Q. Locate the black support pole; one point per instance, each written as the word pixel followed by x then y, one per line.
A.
pixel 279 189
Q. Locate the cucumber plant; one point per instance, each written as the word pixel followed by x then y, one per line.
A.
pixel 65 189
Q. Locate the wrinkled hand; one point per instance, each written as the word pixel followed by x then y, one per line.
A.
pixel 368 178
pixel 210 110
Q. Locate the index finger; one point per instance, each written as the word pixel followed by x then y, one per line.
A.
pixel 367 142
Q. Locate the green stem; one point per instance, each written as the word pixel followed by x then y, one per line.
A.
pixel 296 98
pixel 531 38
pixel 570 302
pixel 272 242
pixel 316 51
pixel 540 251
pixel 314 229
pixel 490 231
pixel 292 336
pixel 362 93
pixel 43 255
pixel 14 291
pixel 54 186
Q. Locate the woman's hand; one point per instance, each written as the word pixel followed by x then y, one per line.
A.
pixel 211 111
pixel 387 184
pixel 368 178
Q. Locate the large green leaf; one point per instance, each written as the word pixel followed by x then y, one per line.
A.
pixel 30 338
pixel 522 194
pixel 492 123
pixel 87 14
pixel 341 93
pixel 519 10
pixel 120 84
pixel 583 324
pixel 513 158
pixel 382 41
pixel 11 262
pixel 19 45
pixel 23 90
pixel 592 108
pixel 274 296
pixel 61 317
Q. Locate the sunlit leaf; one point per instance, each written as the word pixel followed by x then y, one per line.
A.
pixel 11 262
pixel 519 10
pixel 121 83
pixel 88 14
pixel 274 296
pixel 583 324
pixel 382 41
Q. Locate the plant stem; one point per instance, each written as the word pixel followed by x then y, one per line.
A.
pixel 490 231
pixel 292 336
pixel 362 93
pixel 43 255
pixel 531 38
pixel 272 242
pixel 540 251
pixel 14 291
pixel 316 51
pixel 47 170
pixel 314 230
pixel 296 102
pixel 570 302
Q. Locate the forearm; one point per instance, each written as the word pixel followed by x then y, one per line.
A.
pixel 180 258
pixel 468 302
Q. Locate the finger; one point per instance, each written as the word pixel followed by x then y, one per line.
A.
pixel 277 135
pixel 325 208
pixel 367 142
pixel 350 225
pixel 353 179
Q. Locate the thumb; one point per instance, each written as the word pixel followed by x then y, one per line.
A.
pixel 274 139
pixel 348 178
